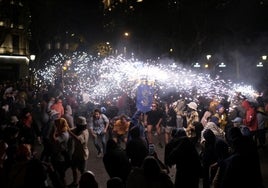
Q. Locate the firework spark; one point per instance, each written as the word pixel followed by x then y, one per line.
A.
pixel 110 77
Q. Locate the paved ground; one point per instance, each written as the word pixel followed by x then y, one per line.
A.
pixel 96 165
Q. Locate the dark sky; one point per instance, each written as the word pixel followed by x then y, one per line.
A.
pixel 206 23
pixel 57 16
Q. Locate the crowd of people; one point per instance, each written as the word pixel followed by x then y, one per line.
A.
pixel 212 140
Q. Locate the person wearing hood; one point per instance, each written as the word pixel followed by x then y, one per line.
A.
pixel 192 116
pixel 250 119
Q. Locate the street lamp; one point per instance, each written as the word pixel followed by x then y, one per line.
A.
pixel 32 58
pixel 126 36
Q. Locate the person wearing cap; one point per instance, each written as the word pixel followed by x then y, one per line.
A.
pixel 191 117
pixel 80 154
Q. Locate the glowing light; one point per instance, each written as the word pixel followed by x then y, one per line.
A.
pixel 15 57
pixel 260 64
pixel 222 65
pixel 99 79
pixel 197 65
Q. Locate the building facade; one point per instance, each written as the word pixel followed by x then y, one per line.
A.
pixel 14 40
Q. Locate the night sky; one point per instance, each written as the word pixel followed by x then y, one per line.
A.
pixel 191 27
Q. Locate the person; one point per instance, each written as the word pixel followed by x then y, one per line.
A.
pixel 153 120
pixel 173 142
pixel 191 117
pixel 68 115
pixel 169 121
pixel 87 180
pixel 29 132
pixel 214 151
pixel 80 154
pixel 120 129
pixel 222 116
pixel 242 167
pixel 179 107
pixel 213 125
pixel 59 157
pixel 182 153
pixel 58 107
pixel 26 171
pixel 137 122
pixel 98 126
pixel 116 161
pixel 205 118
pixel 115 182
pixel 136 148
pixel 250 118
pixel 262 118
pixel 149 175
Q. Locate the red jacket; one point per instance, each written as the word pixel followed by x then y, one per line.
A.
pixel 250 119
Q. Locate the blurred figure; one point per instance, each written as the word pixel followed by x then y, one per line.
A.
pixel 60 156
pixel 184 155
pixel 115 182
pixel 153 120
pixel 192 116
pixel 214 151
pixel 242 168
pixel 26 171
pixel 221 115
pixel 262 118
pixel 169 121
pixel 80 154
pixel 88 180
pixel 115 161
pixel 98 126
pixel 120 129
pixel 150 175
pixel 136 148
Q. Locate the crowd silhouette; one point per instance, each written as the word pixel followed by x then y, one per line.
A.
pixel 214 141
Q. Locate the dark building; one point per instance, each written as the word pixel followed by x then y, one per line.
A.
pixel 14 40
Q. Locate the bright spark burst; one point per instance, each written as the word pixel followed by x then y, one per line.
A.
pixel 101 79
